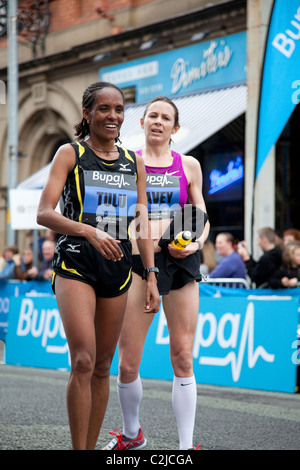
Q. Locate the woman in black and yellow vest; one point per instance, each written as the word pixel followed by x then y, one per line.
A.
pixel 100 186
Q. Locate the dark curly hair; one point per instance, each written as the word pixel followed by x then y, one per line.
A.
pixel 82 129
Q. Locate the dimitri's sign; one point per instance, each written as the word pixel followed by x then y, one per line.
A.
pixel 215 57
pixel 212 64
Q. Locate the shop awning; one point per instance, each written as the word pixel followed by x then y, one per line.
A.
pixel 200 117
pixel 37 180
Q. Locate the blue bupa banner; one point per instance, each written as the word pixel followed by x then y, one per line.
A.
pixel 36 337
pixel 12 289
pixel 239 341
pixel 280 84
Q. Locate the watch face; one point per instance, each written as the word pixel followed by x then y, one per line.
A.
pixel 3 18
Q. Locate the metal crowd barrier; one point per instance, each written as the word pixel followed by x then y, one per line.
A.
pixel 238 283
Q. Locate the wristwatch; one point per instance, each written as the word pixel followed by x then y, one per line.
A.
pixel 199 244
pixel 149 270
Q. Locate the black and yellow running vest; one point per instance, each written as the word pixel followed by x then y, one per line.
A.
pixel 100 192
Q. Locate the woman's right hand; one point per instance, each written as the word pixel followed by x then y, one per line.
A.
pixel 104 243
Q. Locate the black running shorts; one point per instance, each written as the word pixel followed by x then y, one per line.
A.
pixel 75 258
pixel 173 273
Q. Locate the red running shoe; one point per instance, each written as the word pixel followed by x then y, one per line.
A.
pixel 121 442
pixel 195 448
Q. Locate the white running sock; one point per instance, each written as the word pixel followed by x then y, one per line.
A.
pixel 130 397
pixel 184 398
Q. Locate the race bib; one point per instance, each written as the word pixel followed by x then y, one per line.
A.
pixel 163 194
pixel 109 201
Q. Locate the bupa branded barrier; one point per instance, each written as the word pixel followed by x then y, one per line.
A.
pixel 248 342
pixel 12 289
pixel 36 336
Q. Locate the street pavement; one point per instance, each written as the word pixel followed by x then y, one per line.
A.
pixel 33 415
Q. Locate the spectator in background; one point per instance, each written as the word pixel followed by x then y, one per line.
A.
pixel 291 235
pixel 261 271
pixel 44 272
pixel 23 264
pixel 9 266
pixel 30 242
pixel 231 264
pixel 288 275
pixel 208 258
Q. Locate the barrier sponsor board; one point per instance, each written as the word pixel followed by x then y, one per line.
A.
pixel 249 343
pixel 36 336
pixel 11 289
pixel 238 342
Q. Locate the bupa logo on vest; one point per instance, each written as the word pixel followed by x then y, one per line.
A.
pixel 110 179
pixel 162 180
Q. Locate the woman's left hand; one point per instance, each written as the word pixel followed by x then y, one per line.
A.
pixel 152 302
pixel 182 254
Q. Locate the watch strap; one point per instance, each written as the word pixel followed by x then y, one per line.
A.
pixel 149 270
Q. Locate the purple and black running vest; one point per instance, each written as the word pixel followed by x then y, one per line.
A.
pixel 167 188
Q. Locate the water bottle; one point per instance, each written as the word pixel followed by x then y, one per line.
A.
pixel 182 239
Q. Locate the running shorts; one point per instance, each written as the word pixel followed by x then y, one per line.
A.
pixel 75 258
pixel 173 273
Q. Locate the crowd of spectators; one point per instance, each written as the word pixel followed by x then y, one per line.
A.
pixel 20 265
pixel 288 274
pixel 278 266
